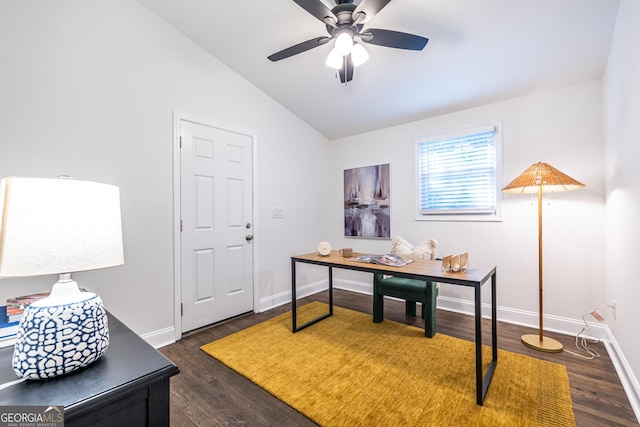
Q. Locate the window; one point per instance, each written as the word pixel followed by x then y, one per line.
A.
pixel 458 175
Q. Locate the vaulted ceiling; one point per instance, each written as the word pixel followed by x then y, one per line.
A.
pixel 478 52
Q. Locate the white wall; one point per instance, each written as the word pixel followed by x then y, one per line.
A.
pixel 622 151
pixel 89 89
pixel 561 127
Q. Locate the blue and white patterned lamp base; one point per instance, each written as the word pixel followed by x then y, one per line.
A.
pixel 57 340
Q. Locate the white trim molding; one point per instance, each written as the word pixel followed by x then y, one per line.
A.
pixel 160 338
pixel 625 373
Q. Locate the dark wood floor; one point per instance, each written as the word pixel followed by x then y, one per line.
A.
pixel 207 393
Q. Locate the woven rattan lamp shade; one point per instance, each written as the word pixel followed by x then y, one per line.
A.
pixel 551 179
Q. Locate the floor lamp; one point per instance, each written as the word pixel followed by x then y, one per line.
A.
pixel 538 178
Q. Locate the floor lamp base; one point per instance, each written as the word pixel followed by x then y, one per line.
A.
pixel 547 344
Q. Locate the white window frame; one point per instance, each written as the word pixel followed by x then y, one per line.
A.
pixel 466 216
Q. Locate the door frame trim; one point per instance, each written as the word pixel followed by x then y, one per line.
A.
pixel 177 255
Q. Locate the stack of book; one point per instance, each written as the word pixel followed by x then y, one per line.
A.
pixel 16 306
pixel 11 314
pixel 8 330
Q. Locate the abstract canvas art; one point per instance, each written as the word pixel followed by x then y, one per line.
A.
pixel 366 202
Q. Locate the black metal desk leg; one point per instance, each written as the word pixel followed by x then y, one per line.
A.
pixel 478 303
pixel 294 302
pixel 494 343
pixel 293 297
pixel 494 318
pixel 330 290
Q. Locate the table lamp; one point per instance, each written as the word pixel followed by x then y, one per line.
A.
pixel 538 178
pixel 59 226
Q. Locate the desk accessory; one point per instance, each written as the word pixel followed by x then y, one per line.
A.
pixel 427 249
pixel 59 226
pixel 346 252
pixel 324 248
pixel 456 263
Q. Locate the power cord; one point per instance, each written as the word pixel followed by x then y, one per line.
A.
pixel 583 341
pixel 10 383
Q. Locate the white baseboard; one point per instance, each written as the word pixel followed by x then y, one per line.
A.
pixel 277 300
pixel 627 378
pixel 353 286
pixel 283 298
pixel 561 325
pixel 160 338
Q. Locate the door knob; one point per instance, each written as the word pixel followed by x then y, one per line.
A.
pixel 249 237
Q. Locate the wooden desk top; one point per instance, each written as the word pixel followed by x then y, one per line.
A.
pixel 419 268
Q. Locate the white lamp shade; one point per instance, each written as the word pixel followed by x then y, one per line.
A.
pixel 359 54
pixel 344 43
pixel 58 225
pixel 335 59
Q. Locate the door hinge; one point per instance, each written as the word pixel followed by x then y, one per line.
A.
pixel 181 226
pixel 180 141
pixel 181 310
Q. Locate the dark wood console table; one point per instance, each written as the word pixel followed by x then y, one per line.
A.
pixel 420 269
pixel 128 385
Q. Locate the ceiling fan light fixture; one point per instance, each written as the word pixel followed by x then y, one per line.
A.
pixel 334 59
pixel 344 43
pixel 359 54
pixel 344 23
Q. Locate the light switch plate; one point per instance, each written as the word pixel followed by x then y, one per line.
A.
pixel 277 213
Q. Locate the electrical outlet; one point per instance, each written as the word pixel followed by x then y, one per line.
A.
pixel 613 306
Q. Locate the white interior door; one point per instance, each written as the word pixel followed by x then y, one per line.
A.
pixel 216 220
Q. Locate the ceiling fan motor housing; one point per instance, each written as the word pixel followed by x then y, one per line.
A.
pixel 344 12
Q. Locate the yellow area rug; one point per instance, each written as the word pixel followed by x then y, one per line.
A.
pixel 348 371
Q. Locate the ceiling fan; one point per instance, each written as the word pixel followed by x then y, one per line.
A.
pixel 345 23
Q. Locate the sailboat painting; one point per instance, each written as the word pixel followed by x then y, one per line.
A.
pixel 366 202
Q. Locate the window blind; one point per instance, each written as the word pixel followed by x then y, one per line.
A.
pixel 458 175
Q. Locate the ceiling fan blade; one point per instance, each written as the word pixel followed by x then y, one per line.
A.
pixel 319 10
pixel 369 8
pixel 346 72
pixel 394 39
pixel 299 48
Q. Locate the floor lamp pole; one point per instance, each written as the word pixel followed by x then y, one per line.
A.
pixel 541 177
pixel 540 299
pixel 540 342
